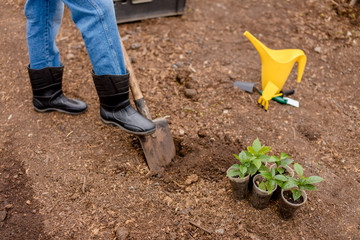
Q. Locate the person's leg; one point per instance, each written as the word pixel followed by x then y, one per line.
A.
pixel 97 23
pixel 42 25
pixel 45 69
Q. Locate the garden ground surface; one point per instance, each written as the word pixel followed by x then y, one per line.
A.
pixel 71 177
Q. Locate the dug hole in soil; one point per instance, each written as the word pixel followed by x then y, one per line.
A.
pixel 72 177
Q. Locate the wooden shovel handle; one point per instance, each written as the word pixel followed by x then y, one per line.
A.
pixel 135 89
pixel 134 86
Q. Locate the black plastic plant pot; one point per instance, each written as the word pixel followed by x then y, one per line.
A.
pixel 287 206
pixel 239 186
pixel 289 172
pixel 259 198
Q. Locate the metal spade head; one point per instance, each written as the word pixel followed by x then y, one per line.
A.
pixel 159 148
pixel 246 86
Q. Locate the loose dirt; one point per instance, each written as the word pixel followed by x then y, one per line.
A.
pixel 71 177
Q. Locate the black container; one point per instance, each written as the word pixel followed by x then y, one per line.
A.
pixel 288 209
pixel 259 198
pixel 134 10
pixel 239 186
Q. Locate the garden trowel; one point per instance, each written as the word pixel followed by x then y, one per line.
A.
pixel 159 148
pixel 246 86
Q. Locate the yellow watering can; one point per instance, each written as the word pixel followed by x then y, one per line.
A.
pixel 276 67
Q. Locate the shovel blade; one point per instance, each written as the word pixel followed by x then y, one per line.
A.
pixel 159 148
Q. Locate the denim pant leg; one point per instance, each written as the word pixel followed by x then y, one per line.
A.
pixel 43 22
pixel 97 23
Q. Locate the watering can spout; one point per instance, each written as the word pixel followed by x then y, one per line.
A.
pixel 260 47
pixel 301 66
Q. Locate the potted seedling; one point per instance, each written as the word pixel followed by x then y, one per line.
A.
pixel 281 166
pixel 239 175
pixel 259 154
pixel 293 194
pixel 250 162
pixel 264 184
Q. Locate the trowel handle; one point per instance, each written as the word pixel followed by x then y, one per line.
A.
pixel 288 92
pixel 134 86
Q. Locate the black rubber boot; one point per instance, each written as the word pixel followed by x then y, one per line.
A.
pixel 48 96
pixel 115 107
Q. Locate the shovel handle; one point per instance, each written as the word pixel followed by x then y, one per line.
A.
pixel 134 86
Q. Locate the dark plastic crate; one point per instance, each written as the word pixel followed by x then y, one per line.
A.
pixel 134 10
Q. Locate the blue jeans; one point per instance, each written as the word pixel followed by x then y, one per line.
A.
pixel 94 18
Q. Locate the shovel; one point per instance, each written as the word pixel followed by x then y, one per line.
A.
pixel 159 148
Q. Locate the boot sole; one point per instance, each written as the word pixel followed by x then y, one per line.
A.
pixel 126 130
pixel 58 110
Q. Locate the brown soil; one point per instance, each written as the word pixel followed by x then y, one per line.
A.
pixel 71 177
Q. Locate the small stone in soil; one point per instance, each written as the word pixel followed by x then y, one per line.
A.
pixel 135 46
pixel 191 179
pixel 220 231
pixel 190 93
pixel 70 56
pixel 202 133
pixel 179 64
pixel 121 233
pixel 2 215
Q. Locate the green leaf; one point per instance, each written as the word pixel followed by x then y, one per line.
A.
pixel 264 150
pixel 313 179
pixel 286 162
pixel 296 194
pixel 302 181
pixel 256 145
pixel 290 183
pixel 281 178
pixel 264 158
pixel 237 157
pixel 266 175
pixel 257 163
pixel 271 186
pixel 280 170
pixel 263 168
pixel 243 157
pixel 280 184
pixel 262 186
pixel 272 172
pixel 248 154
pixel 252 170
pixel 243 169
pixel 309 187
pixel 298 169
pixel 273 159
pixel 251 150
pixel 236 166
pixel 233 173
pixel 284 156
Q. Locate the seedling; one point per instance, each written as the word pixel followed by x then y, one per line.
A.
pixel 251 160
pixel 303 183
pixel 281 163
pixel 271 180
